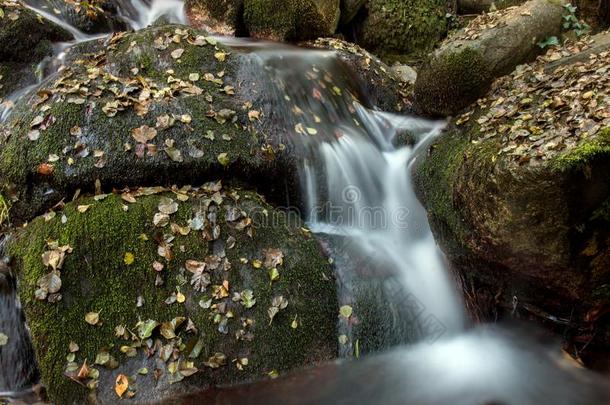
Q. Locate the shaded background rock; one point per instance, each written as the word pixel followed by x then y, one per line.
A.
pixel 96 276
pixel 224 16
pixel 480 6
pixel 291 20
pixel 88 17
pixel 396 29
pixel 462 69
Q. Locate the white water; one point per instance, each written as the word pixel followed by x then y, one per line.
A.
pixel 375 207
pixel 146 14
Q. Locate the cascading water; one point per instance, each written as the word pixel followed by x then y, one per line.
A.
pixel 356 183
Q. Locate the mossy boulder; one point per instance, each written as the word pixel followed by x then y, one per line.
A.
pixel 518 193
pixel 291 20
pixel 462 69
pixel 26 37
pixel 25 40
pixel 395 28
pixel 159 106
pixel 117 259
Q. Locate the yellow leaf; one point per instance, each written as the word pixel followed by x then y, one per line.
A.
pixel 121 385
pixel 129 258
pixel 92 318
pixel 345 311
pixel 83 208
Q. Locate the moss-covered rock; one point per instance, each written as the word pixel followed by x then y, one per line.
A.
pixel 171 84
pixel 291 20
pixel 122 266
pixel 224 16
pixel 26 37
pixel 394 28
pixel 517 193
pixel 462 69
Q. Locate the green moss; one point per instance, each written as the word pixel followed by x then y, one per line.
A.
pixel 4 208
pixel 293 20
pixel 399 27
pixel 436 175
pixel 452 80
pixel 582 154
pixel 95 278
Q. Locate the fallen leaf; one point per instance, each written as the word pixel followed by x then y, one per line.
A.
pixel 92 318
pixel 129 258
pixel 345 311
pixel 144 134
pixel 176 54
pixel 121 385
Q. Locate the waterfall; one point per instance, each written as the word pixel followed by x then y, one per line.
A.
pixel 356 183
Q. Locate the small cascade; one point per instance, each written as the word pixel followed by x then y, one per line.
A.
pixel 357 186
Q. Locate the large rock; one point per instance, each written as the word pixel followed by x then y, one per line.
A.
pixel 143 258
pixel 148 108
pixel 291 20
pixel 464 66
pixel 518 193
pixel 393 28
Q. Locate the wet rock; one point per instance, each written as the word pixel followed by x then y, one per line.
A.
pixel 405 72
pixel 17 362
pixel 224 17
pixel 517 192
pixel 394 28
pixel 88 17
pixel 127 113
pixel 200 257
pixel 464 66
pixel 26 37
pixel 383 87
pixel 292 20
pixel 25 40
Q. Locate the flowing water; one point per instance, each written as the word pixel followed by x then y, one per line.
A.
pixel 359 200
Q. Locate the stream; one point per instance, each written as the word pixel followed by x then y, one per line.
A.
pixel 360 203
